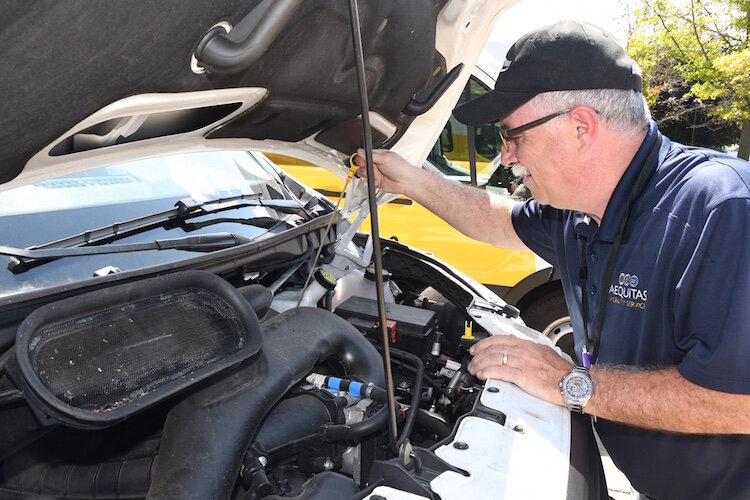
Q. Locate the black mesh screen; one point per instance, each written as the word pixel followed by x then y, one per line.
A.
pixel 116 355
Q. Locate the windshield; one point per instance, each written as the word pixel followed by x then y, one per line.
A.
pixel 58 208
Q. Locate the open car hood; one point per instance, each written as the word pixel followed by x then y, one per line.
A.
pixel 88 83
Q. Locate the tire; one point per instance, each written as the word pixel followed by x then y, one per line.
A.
pixel 548 313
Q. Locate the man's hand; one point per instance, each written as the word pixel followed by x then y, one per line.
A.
pixel 535 368
pixel 393 174
pixel 657 398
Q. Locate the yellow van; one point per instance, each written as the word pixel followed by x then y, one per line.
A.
pixel 520 278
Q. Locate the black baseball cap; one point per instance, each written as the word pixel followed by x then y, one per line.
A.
pixel 568 55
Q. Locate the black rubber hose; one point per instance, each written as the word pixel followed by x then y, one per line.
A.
pixel 431 381
pixel 378 421
pixel 259 297
pixel 290 421
pixel 435 425
pixel 416 396
pixel 220 53
pixel 377 394
pixel 417 107
pixel 353 432
pixel 369 391
pixel 206 434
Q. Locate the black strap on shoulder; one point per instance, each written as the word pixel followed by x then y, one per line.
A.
pixel 611 263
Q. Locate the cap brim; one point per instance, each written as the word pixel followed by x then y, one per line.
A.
pixel 491 107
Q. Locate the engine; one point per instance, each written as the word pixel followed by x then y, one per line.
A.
pixel 328 436
pixel 293 406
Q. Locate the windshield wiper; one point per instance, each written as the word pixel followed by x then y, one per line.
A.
pixel 91 242
pixel 27 258
pixel 198 243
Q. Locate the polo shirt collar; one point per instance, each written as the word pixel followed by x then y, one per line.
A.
pixel 587 227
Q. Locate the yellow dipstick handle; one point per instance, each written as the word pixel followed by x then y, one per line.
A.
pixel 468 335
pixel 353 167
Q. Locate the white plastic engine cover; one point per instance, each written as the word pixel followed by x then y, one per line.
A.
pixel 527 458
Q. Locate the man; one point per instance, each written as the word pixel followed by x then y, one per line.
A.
pixel 649 237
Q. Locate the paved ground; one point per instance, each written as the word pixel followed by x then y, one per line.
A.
pixel 617 484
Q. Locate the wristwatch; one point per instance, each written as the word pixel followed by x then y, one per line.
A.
pixel 576 389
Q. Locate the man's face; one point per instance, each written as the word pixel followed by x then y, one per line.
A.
pixel 538 154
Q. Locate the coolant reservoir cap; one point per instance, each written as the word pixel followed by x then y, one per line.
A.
pixel 325 278
pixel 370 274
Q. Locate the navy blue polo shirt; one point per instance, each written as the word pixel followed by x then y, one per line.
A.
pixel 679 296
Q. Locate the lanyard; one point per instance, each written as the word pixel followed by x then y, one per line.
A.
pixel 589 357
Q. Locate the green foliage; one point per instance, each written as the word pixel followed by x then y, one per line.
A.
pixel 696 53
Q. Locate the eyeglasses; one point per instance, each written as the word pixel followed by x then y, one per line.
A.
pixel 512 134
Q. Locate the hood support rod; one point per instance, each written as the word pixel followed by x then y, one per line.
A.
pixel 374 232
pixel 471 139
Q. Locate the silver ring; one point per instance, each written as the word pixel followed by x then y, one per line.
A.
pixel 505 358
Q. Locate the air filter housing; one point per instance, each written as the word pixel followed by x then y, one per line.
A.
pixel 94 359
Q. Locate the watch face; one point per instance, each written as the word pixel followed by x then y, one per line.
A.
pixel 578 386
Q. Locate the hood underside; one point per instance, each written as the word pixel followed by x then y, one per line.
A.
pixel 67 62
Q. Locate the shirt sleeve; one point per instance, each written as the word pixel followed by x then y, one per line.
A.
pixel 533 224
pixel 712 303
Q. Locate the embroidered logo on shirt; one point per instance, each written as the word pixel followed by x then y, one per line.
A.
pixel 627 293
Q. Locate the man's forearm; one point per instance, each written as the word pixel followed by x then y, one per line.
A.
pixel 661 399
pixel 475 212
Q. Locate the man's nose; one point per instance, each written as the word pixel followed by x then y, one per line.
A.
pixel 508 155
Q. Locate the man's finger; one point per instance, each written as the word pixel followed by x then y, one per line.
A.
pixel 494 341
pixel 494 355
pixel 498 372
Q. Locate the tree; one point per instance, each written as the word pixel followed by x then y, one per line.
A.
pixel 695 56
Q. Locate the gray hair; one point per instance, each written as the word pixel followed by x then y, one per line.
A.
pixel 622 110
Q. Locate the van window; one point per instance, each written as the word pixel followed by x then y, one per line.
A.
pixel 450 154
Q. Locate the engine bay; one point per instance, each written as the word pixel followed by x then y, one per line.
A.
pixel 304 415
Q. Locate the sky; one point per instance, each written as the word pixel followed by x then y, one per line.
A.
pixel 527 15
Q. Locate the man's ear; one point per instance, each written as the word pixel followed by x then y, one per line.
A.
pixel 586 122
